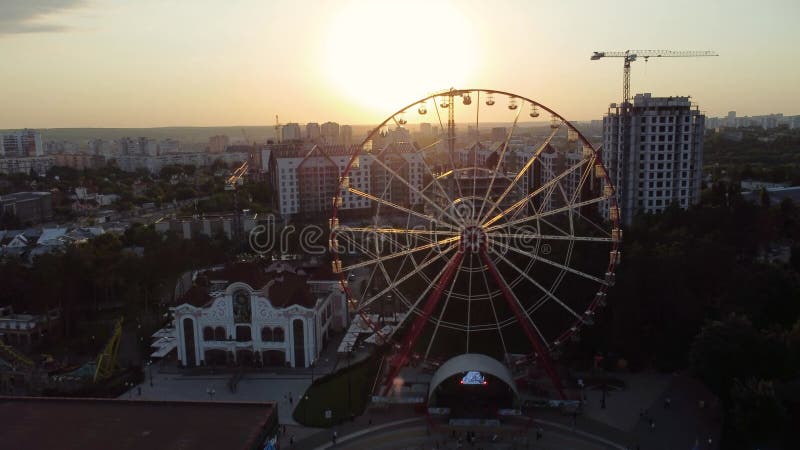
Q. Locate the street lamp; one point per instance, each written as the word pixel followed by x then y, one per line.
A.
pixel 603 400
pixel 210 391
pixel 150 371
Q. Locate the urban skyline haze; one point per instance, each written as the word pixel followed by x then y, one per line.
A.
pixel 105 63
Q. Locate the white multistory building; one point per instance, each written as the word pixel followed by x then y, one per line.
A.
pixel 291 132
pixel 312 131
pixel 306 177
pixel 346 135
pixel 659 160
pixel 329 133
pixel 23 143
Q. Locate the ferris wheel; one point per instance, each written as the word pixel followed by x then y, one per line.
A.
pixel 491 227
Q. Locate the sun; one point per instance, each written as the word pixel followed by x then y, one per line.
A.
pixel 381 55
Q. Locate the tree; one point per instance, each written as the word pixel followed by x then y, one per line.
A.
pixel 757 417
pixel 726 350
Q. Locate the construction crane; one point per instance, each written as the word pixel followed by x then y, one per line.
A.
pixel 632 55
pixel 278 128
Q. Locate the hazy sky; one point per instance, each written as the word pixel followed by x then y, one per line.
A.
pixel 116 63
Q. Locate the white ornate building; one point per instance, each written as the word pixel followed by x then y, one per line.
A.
pixel 258 315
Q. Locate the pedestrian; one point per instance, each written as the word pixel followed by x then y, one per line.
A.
pixel 291 400
pixel 284 428
pixel 291 441
pixel 538 433
pixel 335 436
pixel 139 391
pixel 667 402
pixel 652 424
pixel 370 421
pixel 710 441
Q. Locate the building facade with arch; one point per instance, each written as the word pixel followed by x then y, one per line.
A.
pixel 259 315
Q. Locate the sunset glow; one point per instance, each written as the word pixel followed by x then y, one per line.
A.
pixel 382 58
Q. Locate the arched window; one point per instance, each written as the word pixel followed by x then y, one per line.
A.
pixel 219 334
pixel 266 334
pixel 243 333
pixel 277 334
pixel 208 334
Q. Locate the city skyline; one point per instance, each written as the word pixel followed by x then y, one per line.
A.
pixel 207 64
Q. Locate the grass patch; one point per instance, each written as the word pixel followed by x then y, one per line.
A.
pixel 330 393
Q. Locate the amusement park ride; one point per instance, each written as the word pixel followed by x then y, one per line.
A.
pixel 507 251
pixel 96 372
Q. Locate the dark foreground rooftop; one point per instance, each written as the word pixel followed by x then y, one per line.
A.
pixel 58 423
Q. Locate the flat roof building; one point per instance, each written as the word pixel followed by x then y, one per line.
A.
pixel 40 423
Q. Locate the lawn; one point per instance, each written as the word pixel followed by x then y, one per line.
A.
pixel 331 392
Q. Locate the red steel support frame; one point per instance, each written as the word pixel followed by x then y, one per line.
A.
pixel 541 351
pixel 404 355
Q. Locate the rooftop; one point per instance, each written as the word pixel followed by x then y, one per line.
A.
pixel 20 196
pixel 282 287
pixel 132 425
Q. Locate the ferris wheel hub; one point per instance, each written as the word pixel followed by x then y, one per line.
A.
pixel 473 239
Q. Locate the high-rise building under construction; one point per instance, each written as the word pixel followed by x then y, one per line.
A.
pixel 655 157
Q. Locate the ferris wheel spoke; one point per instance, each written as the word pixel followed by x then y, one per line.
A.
pixel 544 290
pixel 551 237
pixel 391 231
pixel 426 217
pixel 438 115
pixel 533 194
pixel 594 224
pixel 500 160
pixel 571 207
pixel 435 180
pixel 401 253
pixel 490 299
pixel 389 278
pixel 579 188
pixel 469 287
pixel 523 170
pixel 415 190
pixel 444 307
pixel 477 145
pixel 366 303
pixel 516 306
pixel 552 263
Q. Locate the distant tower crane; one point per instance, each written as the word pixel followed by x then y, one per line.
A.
pixel 622 149
pixel 632 55
pixel 278 128
pixel 232 184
